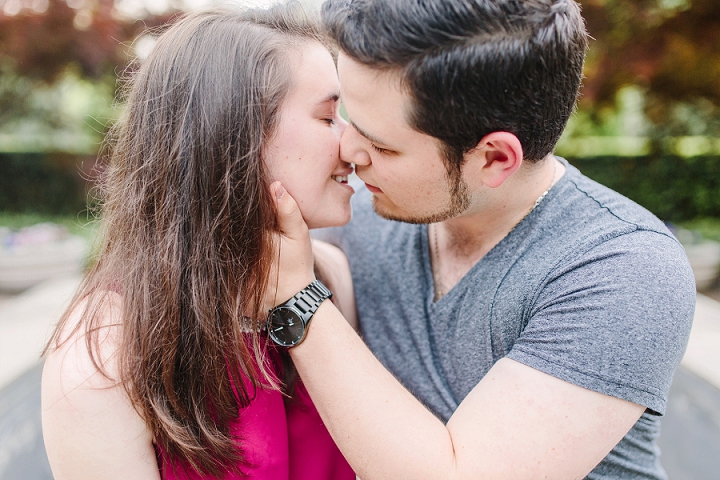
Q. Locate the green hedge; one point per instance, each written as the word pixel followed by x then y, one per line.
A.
pixel 673 188
pixel 44 183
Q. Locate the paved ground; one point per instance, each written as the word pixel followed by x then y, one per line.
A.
pixel 22 452
pixel 690 435
pixel 690 438
pixel 26 321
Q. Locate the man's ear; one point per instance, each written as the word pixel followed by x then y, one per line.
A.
pixel 495 158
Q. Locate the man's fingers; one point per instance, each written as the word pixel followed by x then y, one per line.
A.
pixel 294 262
pixel 290 219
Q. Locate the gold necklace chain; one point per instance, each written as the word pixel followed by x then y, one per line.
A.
pixel 436 271
pixel 435 254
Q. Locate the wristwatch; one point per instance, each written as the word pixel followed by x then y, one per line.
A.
pixel 287 323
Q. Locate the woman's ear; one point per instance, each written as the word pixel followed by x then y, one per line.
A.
pixel 495 158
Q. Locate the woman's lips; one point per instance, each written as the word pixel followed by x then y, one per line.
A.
pixel 372 188
pixel 341 178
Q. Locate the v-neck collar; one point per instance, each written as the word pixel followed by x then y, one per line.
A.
pixel 512 234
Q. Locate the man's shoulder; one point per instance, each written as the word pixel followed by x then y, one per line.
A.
pixel 599 294
pixel 587 230
pixel 583 214
pixel 607 207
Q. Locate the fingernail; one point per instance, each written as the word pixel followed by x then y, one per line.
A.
pixel 280 192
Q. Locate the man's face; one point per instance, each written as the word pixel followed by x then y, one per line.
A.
pixel 402 168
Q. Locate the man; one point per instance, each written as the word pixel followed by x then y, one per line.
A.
pixel 537 314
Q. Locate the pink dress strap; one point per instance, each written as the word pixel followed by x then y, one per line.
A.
pixel 281 439
pixel 313 453
pixel 262 430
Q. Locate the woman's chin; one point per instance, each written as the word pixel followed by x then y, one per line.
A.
pixel 337 220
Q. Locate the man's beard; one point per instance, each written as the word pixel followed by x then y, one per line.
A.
pixel 459 203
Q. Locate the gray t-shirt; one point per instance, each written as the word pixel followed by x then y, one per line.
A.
pixel 590 288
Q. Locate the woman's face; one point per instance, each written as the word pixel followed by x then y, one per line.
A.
pixel 304 153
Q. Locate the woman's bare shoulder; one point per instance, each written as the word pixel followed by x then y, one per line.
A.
pixel 90 427
pixel 76 355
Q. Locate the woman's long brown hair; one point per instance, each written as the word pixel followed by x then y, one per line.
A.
pixel 187 218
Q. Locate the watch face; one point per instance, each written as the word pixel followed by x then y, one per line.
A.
pixel 285 326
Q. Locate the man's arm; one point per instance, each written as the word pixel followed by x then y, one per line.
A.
pixel 517 423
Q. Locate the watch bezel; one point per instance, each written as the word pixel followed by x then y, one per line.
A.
pixel 297 313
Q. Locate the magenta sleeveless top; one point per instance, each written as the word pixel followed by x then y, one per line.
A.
pixel 280 442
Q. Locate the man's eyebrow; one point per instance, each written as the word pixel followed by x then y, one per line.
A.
pixel 367 135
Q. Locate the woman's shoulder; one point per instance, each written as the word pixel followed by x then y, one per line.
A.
pixel 90 426
pixel 86 342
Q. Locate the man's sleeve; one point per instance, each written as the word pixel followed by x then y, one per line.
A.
pixel 615 320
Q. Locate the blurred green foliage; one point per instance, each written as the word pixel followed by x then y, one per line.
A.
pixel 59 69
pixel 43 183
pixel 707 227
pixel 70 115
pixel 81 225
pixel 669 50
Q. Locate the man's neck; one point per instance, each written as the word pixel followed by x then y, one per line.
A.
pixel 459 243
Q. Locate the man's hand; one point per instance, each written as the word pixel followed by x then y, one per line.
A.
pixel 293 263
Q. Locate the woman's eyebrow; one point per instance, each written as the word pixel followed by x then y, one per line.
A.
pixel 333 97
pixel 372 138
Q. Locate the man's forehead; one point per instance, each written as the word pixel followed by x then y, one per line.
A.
pixel 375 101
pixel 357 74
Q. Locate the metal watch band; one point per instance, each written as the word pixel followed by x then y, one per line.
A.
pixel 309 299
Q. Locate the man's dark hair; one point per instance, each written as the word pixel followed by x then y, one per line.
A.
pixel 472 67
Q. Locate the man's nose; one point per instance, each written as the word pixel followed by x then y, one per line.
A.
pixel 342 124
pixel 352 148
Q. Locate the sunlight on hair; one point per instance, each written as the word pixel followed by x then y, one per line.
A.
pixel 197 4
pixel 138 8
pixel 143 46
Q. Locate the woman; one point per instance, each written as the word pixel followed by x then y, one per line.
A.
pixel 157 369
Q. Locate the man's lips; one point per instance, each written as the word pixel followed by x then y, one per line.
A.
pixel 373 188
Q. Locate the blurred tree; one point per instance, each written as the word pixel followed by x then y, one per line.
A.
pixel 91 34
pixel 669 48
pixel 42 40
pixel 43 44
